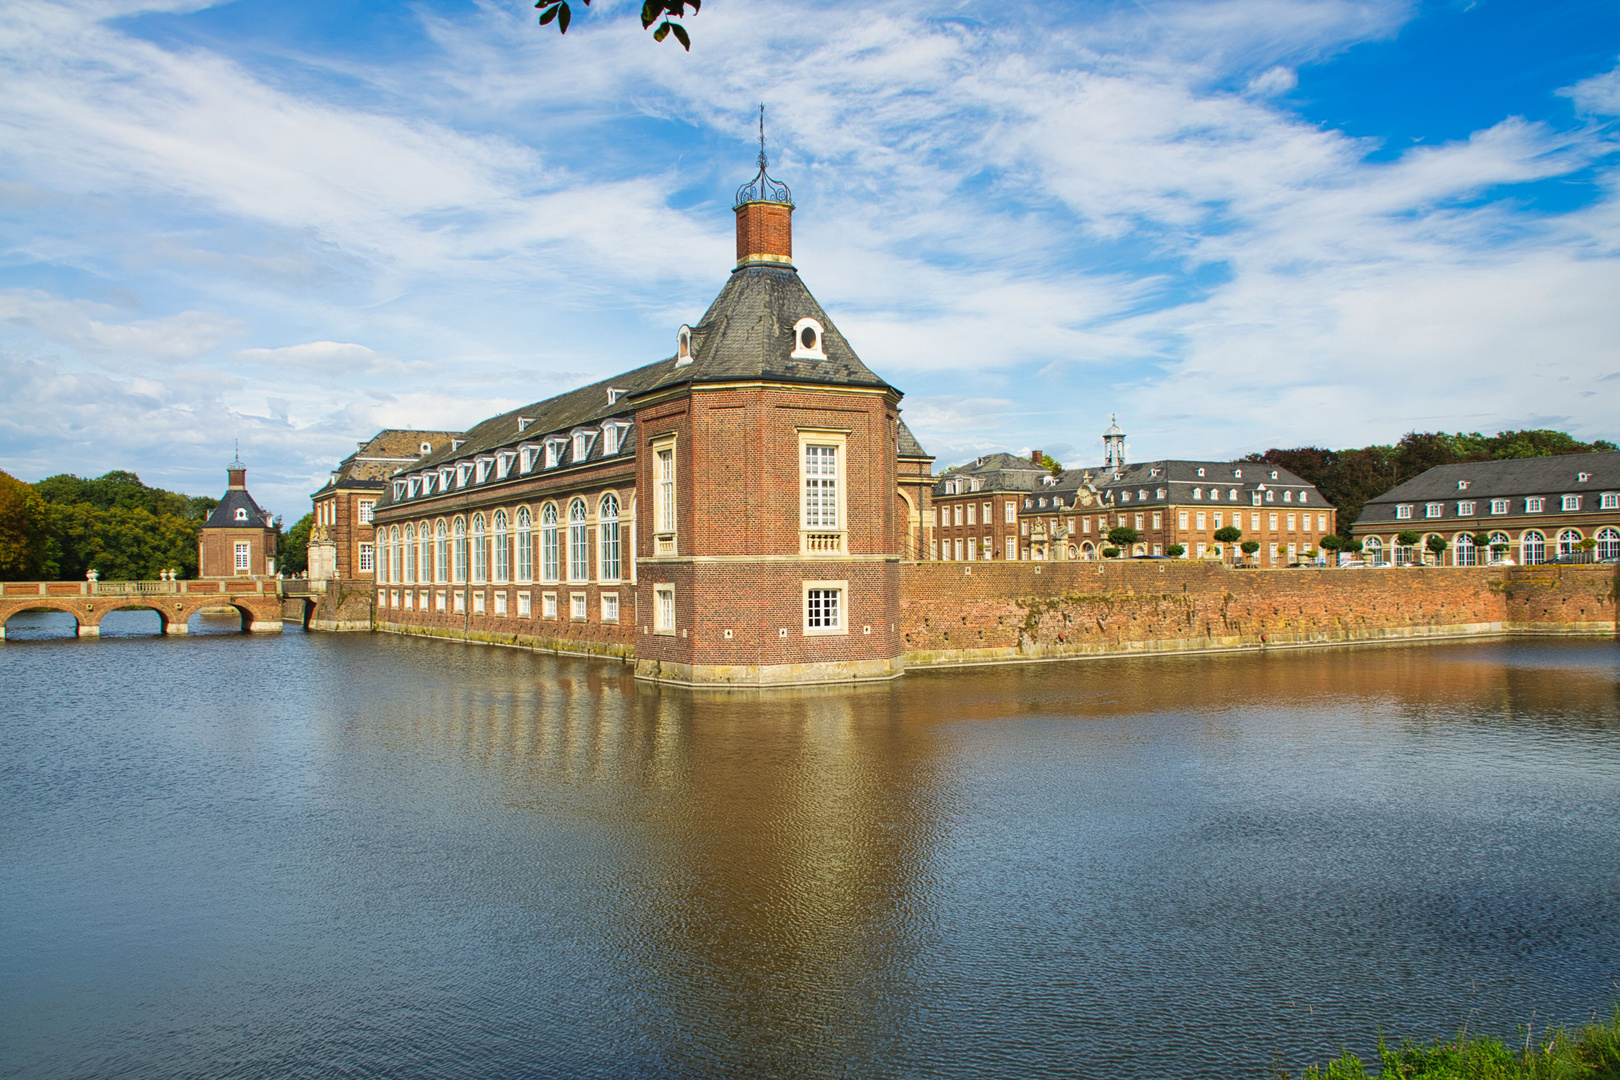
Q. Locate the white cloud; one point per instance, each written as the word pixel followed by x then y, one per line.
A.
pixel 1597 96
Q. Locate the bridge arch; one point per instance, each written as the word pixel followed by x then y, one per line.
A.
pixel 100 615
pixel 218 606
pixel 6 617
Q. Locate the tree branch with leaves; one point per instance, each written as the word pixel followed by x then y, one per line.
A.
pixel 663 12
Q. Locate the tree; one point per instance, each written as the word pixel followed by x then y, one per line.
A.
pixel 1437 544
pixel 25 532
pixel 1110 552
pixel 120 527
pixel 1050 464
pixel 1249 547
pixel 292 550
pixel 1229 534
pixel 651 12
pixel 1123 536
pixel 1332 542
pixel 1176 551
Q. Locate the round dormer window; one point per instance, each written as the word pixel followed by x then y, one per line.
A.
pixel 683 345
pixel 241 513
pixel 807 340
pixel 427 448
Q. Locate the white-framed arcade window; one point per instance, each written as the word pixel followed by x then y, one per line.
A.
pixel 663 609
pixel 826 608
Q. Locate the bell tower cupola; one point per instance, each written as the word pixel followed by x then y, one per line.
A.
pixel 764 216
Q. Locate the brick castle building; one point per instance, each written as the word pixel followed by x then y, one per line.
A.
pixel 342 537
pixel 1534 510
pixel 238 539
pixel 735 513
pixel 1011 508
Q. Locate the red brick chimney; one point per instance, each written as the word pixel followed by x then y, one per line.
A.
pixel 1035 456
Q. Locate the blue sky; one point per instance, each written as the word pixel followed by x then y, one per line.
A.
pixel 1235 223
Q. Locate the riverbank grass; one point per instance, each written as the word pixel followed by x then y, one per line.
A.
pixel 1591 1053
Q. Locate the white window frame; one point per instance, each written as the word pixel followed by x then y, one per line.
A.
pixel 609 540
pixel 363 510
pixel 243 556
pixel 820 537
pixel 1534 504
pixel 1571 502
pixel 664 610
pixel 548 605
pixel 1403 511
pixel 1499 506
pixel 367 559
pixel 1434 510
pixel 610 607
pixel 579 607
pixel 1610 500
pixel 840 594
pixel 1465 509
pixel 579 541
pixel 525 609
pixel 666 494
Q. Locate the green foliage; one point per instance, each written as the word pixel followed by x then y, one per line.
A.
pixel 1249 547
pixel 1592 1053
pixel 1229 534
pixel 292 550
pixel 1408 538
pixel 1123 536
pixel 651 11
pixel 1437 544
pixel 1176 551
pixel 25 532
pixel 1050 464
pixel 119 527
pixel 1110 552
pixel 1350 478
pixel 1482 540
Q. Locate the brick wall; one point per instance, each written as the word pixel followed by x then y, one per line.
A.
pixel 999 612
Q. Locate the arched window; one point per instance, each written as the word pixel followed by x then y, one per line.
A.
pixel 393 555
pixel 480 551
pixel 441 555
pixel 409 567
pixel 579 543
pixel 424 567
pixel 1372 549
pixel 1608 546
pixel 1463 548
pixel 1532 548
pixel 608 536
pixel 1569 542
pixel 548 542
pixel 502 553
pixel 525 545
pixel 458 556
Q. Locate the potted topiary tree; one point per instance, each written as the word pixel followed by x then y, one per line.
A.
pixel 1437 544
pixel 1407 540
pixel 1250 547
pixel 1228 535
pixel 1482 545
pixel 1175 551
pixel 1334 543
pixel 1122 537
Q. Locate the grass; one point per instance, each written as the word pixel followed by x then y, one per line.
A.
pixel 1591 1053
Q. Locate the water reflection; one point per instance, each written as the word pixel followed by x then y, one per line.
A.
pixel 331 854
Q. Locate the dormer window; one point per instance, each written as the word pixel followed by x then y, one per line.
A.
pixel 503 463
pixel 1582 478
pixel 399 490
pixel 484 466
pixel 427 448
pixel 412 486
pixel 1200 471
pixel 524 422
pixel 1159 493
pixel 613 436
pixel 456 444
pixel 583 439
pixel 1274 474
pixel 1124 496
pixel 1462 485
pixel 1302 496
pixel 1288 496
pixel 683 346
pixel 241 513
pixel 1198 493
pixel 615 393
pixel 1215 493
pixel 807 340
pixel 554 449
pixel 1237 474
pixel 1232 494
pixel 463 470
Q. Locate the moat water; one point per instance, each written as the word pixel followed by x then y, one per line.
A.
pixel 320 855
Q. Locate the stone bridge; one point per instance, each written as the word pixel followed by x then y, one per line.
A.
pixel 256 600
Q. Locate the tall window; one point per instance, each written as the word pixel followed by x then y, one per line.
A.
pixel 458 555
pixel 365 506
pixel 607 528
pixel 480 551
pixel 367 562
pixel 548 542
pixel 579 543
pixel 664 479
pixel 1608 544
pixel 393 554
pixel 664 609
pixel 409 567
pixel 441 555
pixel 525 545
pixel 820 486
pixel 1532 548
pixel 503 554
pixel 1569 541
pixel 1463 550
pixel 244 552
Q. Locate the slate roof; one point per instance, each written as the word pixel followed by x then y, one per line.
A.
pixel 909 446
pixel 384 454
pixel 224 515
pixel 996 472
pixel 1545 476
pixel 746 335
pixel 1010 472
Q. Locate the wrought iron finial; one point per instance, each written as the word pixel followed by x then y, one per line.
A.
pixel 762 188
pixel 236 462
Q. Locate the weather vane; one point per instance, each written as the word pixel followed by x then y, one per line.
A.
pixel 763 188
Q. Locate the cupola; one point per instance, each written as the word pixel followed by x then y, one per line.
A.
pixel 764 216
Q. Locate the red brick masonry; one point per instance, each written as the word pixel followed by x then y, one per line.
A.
pixel 959 613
